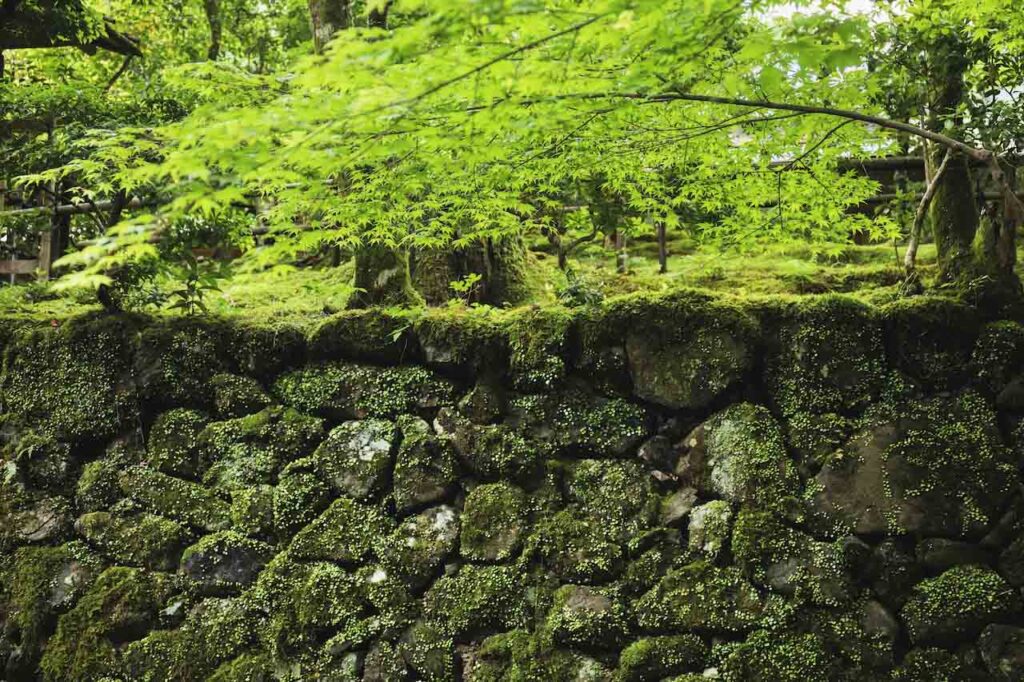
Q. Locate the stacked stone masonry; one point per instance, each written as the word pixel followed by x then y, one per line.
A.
pixel 671 487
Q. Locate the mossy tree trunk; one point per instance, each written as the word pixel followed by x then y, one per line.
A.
pixel 953 211
pixel 327 17
pixel 382 278
pixel 501 264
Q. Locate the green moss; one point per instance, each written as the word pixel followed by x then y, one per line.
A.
pixel 122 601
pixel 816 436
pixel 339 391
pixel 251 450
pixel 72 382
pixel 660 657
pixel 255 667
pixel 98 486
pixel 173 442
pixel 588 618
pixel 956 605
pixel 144 540
pixel 829 356
pixel 493 522
pixel 768 656
pixel 236 396
pixel 40 462
pixel 477 600
pixel 175 499
pixel 700 597
pixel 496 452
pixel 304 602
pixel 425 468
pixel 346 532
pixel 580 424
pixel 931 339
pixel 521 655
pixel 577 549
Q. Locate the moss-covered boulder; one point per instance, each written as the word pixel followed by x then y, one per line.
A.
pixel 998 356
pixel 1002 650
pixel 142 540
pixel 339 391
pixel 356 459
pixel 521 655
pixel 937 665
pixel 618 493
pixel 428 652
pixel 215 630
pixel 539 341
pixel 655 658
pixel 173 445
pixel 935 467
pixel 252 511
pixel 225 562
pixel 580 424
pixel 235 396
pixel 577 548
pixel 783 559
pixel 175 358
pixel 40 462
pixel 299 497
pixel 417 549
pixel 828 355
pixel 931 339
pixel 702 598
pixel 767 656
pixel 425 467
pixel 373 335
pixel 958 604
pixel 346 532
pixel 73 382
pixel 696 351
pixel 97 487
pixel 121 605
pixel 1011 562
pixel 175 498
pixel 252 450
pixel 492 452
pixel 588 618
pixel 494 521
pixel 709 528
pixel 43 582
pixel 740 454
pixel 478 600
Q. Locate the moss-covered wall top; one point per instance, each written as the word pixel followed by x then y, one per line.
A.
pixel 673 487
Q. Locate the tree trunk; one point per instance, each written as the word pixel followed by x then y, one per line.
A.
pixel 953 212
pixel 327 17
pixel 433 272
pixel 382 278
pixel 662 247
pixel 213 18
pixel 501 264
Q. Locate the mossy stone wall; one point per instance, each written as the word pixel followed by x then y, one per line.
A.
pixel 674 487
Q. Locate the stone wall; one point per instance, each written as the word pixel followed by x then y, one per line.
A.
pixel 675 487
